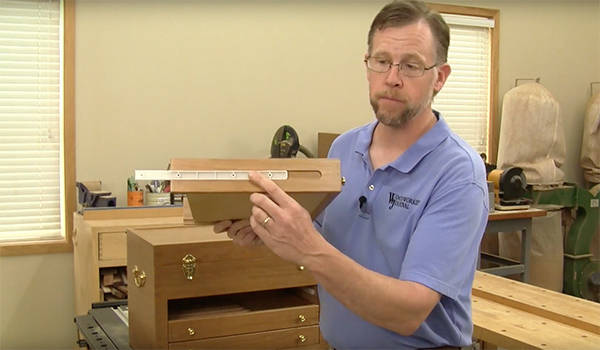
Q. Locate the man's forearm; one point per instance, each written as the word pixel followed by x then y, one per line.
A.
pixel 388 302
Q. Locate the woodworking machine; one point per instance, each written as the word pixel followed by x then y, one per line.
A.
pixel 509 188
pixel 581 276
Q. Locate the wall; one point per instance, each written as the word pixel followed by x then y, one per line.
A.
pixel 157 80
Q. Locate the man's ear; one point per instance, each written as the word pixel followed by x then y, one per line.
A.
pixel 366 69
pixel 443 71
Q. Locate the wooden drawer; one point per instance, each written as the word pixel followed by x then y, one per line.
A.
pixel 112 245
pixel 279 339
pixel 218 316
pixel 229 277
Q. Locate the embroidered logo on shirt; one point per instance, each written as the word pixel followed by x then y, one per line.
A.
pixel 401 201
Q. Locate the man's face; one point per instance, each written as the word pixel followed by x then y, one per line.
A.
pixel 395 98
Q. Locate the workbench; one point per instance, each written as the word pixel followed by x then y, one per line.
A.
pixel 506 313
pixel 515 315
pixel 509 221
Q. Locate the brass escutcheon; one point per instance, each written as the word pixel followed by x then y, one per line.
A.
pixel 189 266
pixel 138 277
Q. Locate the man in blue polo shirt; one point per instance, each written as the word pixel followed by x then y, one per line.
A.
pixel 395 252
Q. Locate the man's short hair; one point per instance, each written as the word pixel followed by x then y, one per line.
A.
pixel 402 13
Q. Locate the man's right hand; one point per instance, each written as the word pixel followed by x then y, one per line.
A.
pixel 239 231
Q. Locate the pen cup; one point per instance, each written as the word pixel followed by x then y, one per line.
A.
pixel 157 199
pixel 135 198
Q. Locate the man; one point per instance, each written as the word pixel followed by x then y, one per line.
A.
pixel 395 252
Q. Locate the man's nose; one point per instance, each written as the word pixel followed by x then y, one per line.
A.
pixel 394 77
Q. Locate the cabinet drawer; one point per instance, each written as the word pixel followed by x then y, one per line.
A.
pixel 112 245
pixel 227 277
pixel 279 339
pixel 218 316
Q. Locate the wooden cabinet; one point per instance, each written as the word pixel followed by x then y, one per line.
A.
pixel 100 242
pixel 192 289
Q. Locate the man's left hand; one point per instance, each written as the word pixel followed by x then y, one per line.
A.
pixel 282 223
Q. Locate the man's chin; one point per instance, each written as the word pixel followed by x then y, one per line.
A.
pixel 390 121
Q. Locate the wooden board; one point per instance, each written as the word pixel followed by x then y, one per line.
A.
pixel 122 213
pixel 324 141
pixel 311 182
pixel 511 328
pixel 559 307
pixel 516 214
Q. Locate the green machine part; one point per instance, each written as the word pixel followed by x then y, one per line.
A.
pixel 581 276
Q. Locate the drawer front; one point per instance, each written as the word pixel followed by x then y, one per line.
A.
pixel 112 245
pixel 241 320
pixel 233 276
pixel 279 339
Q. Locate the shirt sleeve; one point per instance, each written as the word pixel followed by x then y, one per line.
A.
pixel 443 250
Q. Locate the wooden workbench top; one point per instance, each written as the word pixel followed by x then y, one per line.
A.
pixel 516 315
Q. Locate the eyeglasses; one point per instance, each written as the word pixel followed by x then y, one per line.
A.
pixel 409 69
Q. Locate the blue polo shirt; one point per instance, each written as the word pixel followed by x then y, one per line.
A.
pixel 422 220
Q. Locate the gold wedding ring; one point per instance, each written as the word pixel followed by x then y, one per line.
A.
pixel 266 220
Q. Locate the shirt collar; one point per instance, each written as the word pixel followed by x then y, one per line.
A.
pixel 417 151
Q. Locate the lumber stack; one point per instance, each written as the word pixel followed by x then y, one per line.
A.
pixel 113 283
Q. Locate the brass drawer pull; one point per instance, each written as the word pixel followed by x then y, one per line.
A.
pixel 138 277
pixel 302 338
pixel 301 268
pixel 191 331
pixel 302 318
pixel 189 266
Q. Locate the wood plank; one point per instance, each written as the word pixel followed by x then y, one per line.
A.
pixel 516 214
pixel 463 10
pixel 85 264
pixel 119 224
pixel 511 328
pixel 542 302
pixel 120 213
pixel 112 263
pixel 304 175
pixel 324 141
pixel 311 182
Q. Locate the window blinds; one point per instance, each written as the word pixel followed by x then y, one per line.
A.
pixel 464 101
pixel 31 120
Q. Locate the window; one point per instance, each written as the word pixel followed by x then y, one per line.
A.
pixel 36 126
pixel 468 100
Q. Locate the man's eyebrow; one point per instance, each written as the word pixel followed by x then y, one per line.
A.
pixel 413 56
pixel 406 57
pixel 382 54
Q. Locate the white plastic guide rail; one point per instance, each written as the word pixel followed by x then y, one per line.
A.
pixel 206 174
